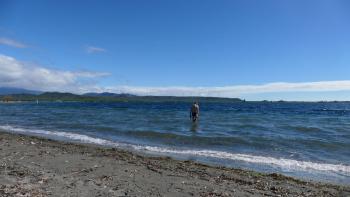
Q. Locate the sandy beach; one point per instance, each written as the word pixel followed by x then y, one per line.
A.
pixel 32 166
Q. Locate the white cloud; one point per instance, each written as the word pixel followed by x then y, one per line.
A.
pixel 92 49
pixel 235 91
pixel 14 73
pixel 88 74
pixel 12 43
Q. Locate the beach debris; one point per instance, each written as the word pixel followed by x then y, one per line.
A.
pixel 43 180
pixel 106 178
pixel 120 192
pixel 32 143
pixel 86 170
pixel 214 194
pixel 21 179
pixel 20 190
pixel 153 167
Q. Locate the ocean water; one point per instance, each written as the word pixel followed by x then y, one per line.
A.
pixel 303 140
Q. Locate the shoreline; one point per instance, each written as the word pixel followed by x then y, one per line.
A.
pixel 38 166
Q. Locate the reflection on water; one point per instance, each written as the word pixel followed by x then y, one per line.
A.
pixel 194 126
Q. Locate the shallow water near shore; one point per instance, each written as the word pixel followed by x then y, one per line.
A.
pixel 304 140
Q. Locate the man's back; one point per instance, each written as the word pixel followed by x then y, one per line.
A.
pixel 194 112
pixel 195 108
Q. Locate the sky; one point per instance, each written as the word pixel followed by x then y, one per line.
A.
pixel 251 49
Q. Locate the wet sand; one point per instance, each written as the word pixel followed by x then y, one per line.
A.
pixel 32 166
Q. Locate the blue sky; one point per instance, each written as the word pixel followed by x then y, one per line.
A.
pixel 179 47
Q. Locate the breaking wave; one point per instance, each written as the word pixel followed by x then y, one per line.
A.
pixel 264 160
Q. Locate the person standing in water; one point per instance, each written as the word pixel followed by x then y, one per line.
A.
pixel 194 113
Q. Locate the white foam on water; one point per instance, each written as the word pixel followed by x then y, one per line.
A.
pixel 70 136
pixel 277 162
pixel 280 162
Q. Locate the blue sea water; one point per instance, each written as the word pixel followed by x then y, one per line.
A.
pixel 304 140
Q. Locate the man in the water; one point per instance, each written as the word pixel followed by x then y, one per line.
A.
pixel 194 112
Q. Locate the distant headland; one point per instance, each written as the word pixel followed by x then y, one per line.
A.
pixel 17 95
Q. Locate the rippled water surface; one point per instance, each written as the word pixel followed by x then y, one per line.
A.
pixel 306 140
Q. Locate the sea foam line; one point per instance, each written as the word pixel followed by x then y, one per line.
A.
pixel 279 162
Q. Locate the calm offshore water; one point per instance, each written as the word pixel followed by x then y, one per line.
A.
pixel 305 140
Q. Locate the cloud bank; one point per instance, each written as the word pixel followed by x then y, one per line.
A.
pixel 12 43
pixel 236 91
pixel 14 73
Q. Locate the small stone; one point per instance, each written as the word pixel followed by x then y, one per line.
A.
pixel 120 192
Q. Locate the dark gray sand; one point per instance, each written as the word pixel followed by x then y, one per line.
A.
pixel 31 166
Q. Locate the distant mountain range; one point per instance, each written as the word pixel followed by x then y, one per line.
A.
pixel 12 91
pixel 7 91
pixel 18 94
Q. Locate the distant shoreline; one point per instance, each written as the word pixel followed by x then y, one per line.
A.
pixel 29 95
pixel 36 165
pixel 13 101
pixel 152 99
